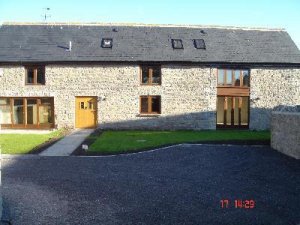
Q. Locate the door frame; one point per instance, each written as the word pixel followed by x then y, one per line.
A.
pixel 96 108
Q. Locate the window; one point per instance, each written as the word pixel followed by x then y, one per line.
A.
pixel 233 78
pixel 246 78
pixel 32 109
pixel 106 43
pixel 18 111
pixel 91 105
pixel 221 77
pixel 199 44
pixel 82 105
pixel 31 112
pixel 35 75
pixel 151 75
pixel 177 44
pixel 237 75
pixel 46 111
pixel 150 105
pixel 229 77
pixel 5 114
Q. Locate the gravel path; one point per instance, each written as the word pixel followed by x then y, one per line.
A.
pixel 178 185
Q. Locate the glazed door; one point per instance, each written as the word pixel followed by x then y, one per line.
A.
pixel 232 112
pixel 86 112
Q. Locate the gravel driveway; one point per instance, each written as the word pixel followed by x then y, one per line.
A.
pixel 177 185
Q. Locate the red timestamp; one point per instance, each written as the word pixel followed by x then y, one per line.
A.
pixel 238 204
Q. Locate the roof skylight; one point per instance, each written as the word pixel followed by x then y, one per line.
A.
pixel 107 43
pixel 177 44
pixel 199 44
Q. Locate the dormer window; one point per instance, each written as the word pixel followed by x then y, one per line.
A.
pixel 106 42
pixel 177 44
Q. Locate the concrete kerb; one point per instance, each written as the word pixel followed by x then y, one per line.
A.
pixel 31 156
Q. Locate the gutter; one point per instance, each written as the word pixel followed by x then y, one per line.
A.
pixel 138 62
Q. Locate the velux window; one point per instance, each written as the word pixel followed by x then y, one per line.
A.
pixel 199 44
pixel 35 75
pixel 177 44
pixel 151 75
pixel 233 78
pixel 150 104
pixel 107 43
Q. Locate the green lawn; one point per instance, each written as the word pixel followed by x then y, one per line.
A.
pixel 24 143
pixel 127 141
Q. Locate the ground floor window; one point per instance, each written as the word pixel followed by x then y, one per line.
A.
pixel 232 111
pixel 150 105
pixel 29 112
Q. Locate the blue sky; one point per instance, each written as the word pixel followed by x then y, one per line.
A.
pixel 257 13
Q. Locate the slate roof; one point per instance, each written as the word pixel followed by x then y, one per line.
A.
pixel 48 43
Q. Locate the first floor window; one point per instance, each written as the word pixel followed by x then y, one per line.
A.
pixel 35 75
pixel 150 104
pixel 233 78
pixel 151 75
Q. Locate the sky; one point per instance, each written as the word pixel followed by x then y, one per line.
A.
pixel 251 13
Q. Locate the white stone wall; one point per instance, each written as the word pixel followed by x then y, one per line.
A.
pixel 271 89
pixel 188 94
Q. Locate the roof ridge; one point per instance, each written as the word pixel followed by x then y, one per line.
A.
pixel 12 23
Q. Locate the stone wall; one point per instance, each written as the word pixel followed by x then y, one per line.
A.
pixel 188 94
pixel 285 133
pixel 269 89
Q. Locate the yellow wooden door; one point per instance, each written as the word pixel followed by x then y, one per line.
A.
pixel 86 112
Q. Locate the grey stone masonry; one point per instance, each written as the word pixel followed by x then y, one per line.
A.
pixel 285 133
pixel 271 89
pixel 188 94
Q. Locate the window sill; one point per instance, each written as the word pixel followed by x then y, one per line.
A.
pixel 150 84
pixel 34 84
pixel 232 87
pixel 148 115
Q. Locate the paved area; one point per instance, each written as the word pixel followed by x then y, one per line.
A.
pixel 68 144
pixel 178 185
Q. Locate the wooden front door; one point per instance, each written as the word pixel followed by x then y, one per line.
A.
pixel 86 112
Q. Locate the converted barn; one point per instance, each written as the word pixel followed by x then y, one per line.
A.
pixel 144 77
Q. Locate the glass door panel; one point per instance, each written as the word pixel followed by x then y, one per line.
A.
pixel 220 110
pixel 244 110
pixel 5 115
pixel 45 112
pixel 18 111
pixel 236 111
pixel 229 110
pixel 32 111
pixel 232 111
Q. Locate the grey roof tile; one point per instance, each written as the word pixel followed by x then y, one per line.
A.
pixel 47 43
